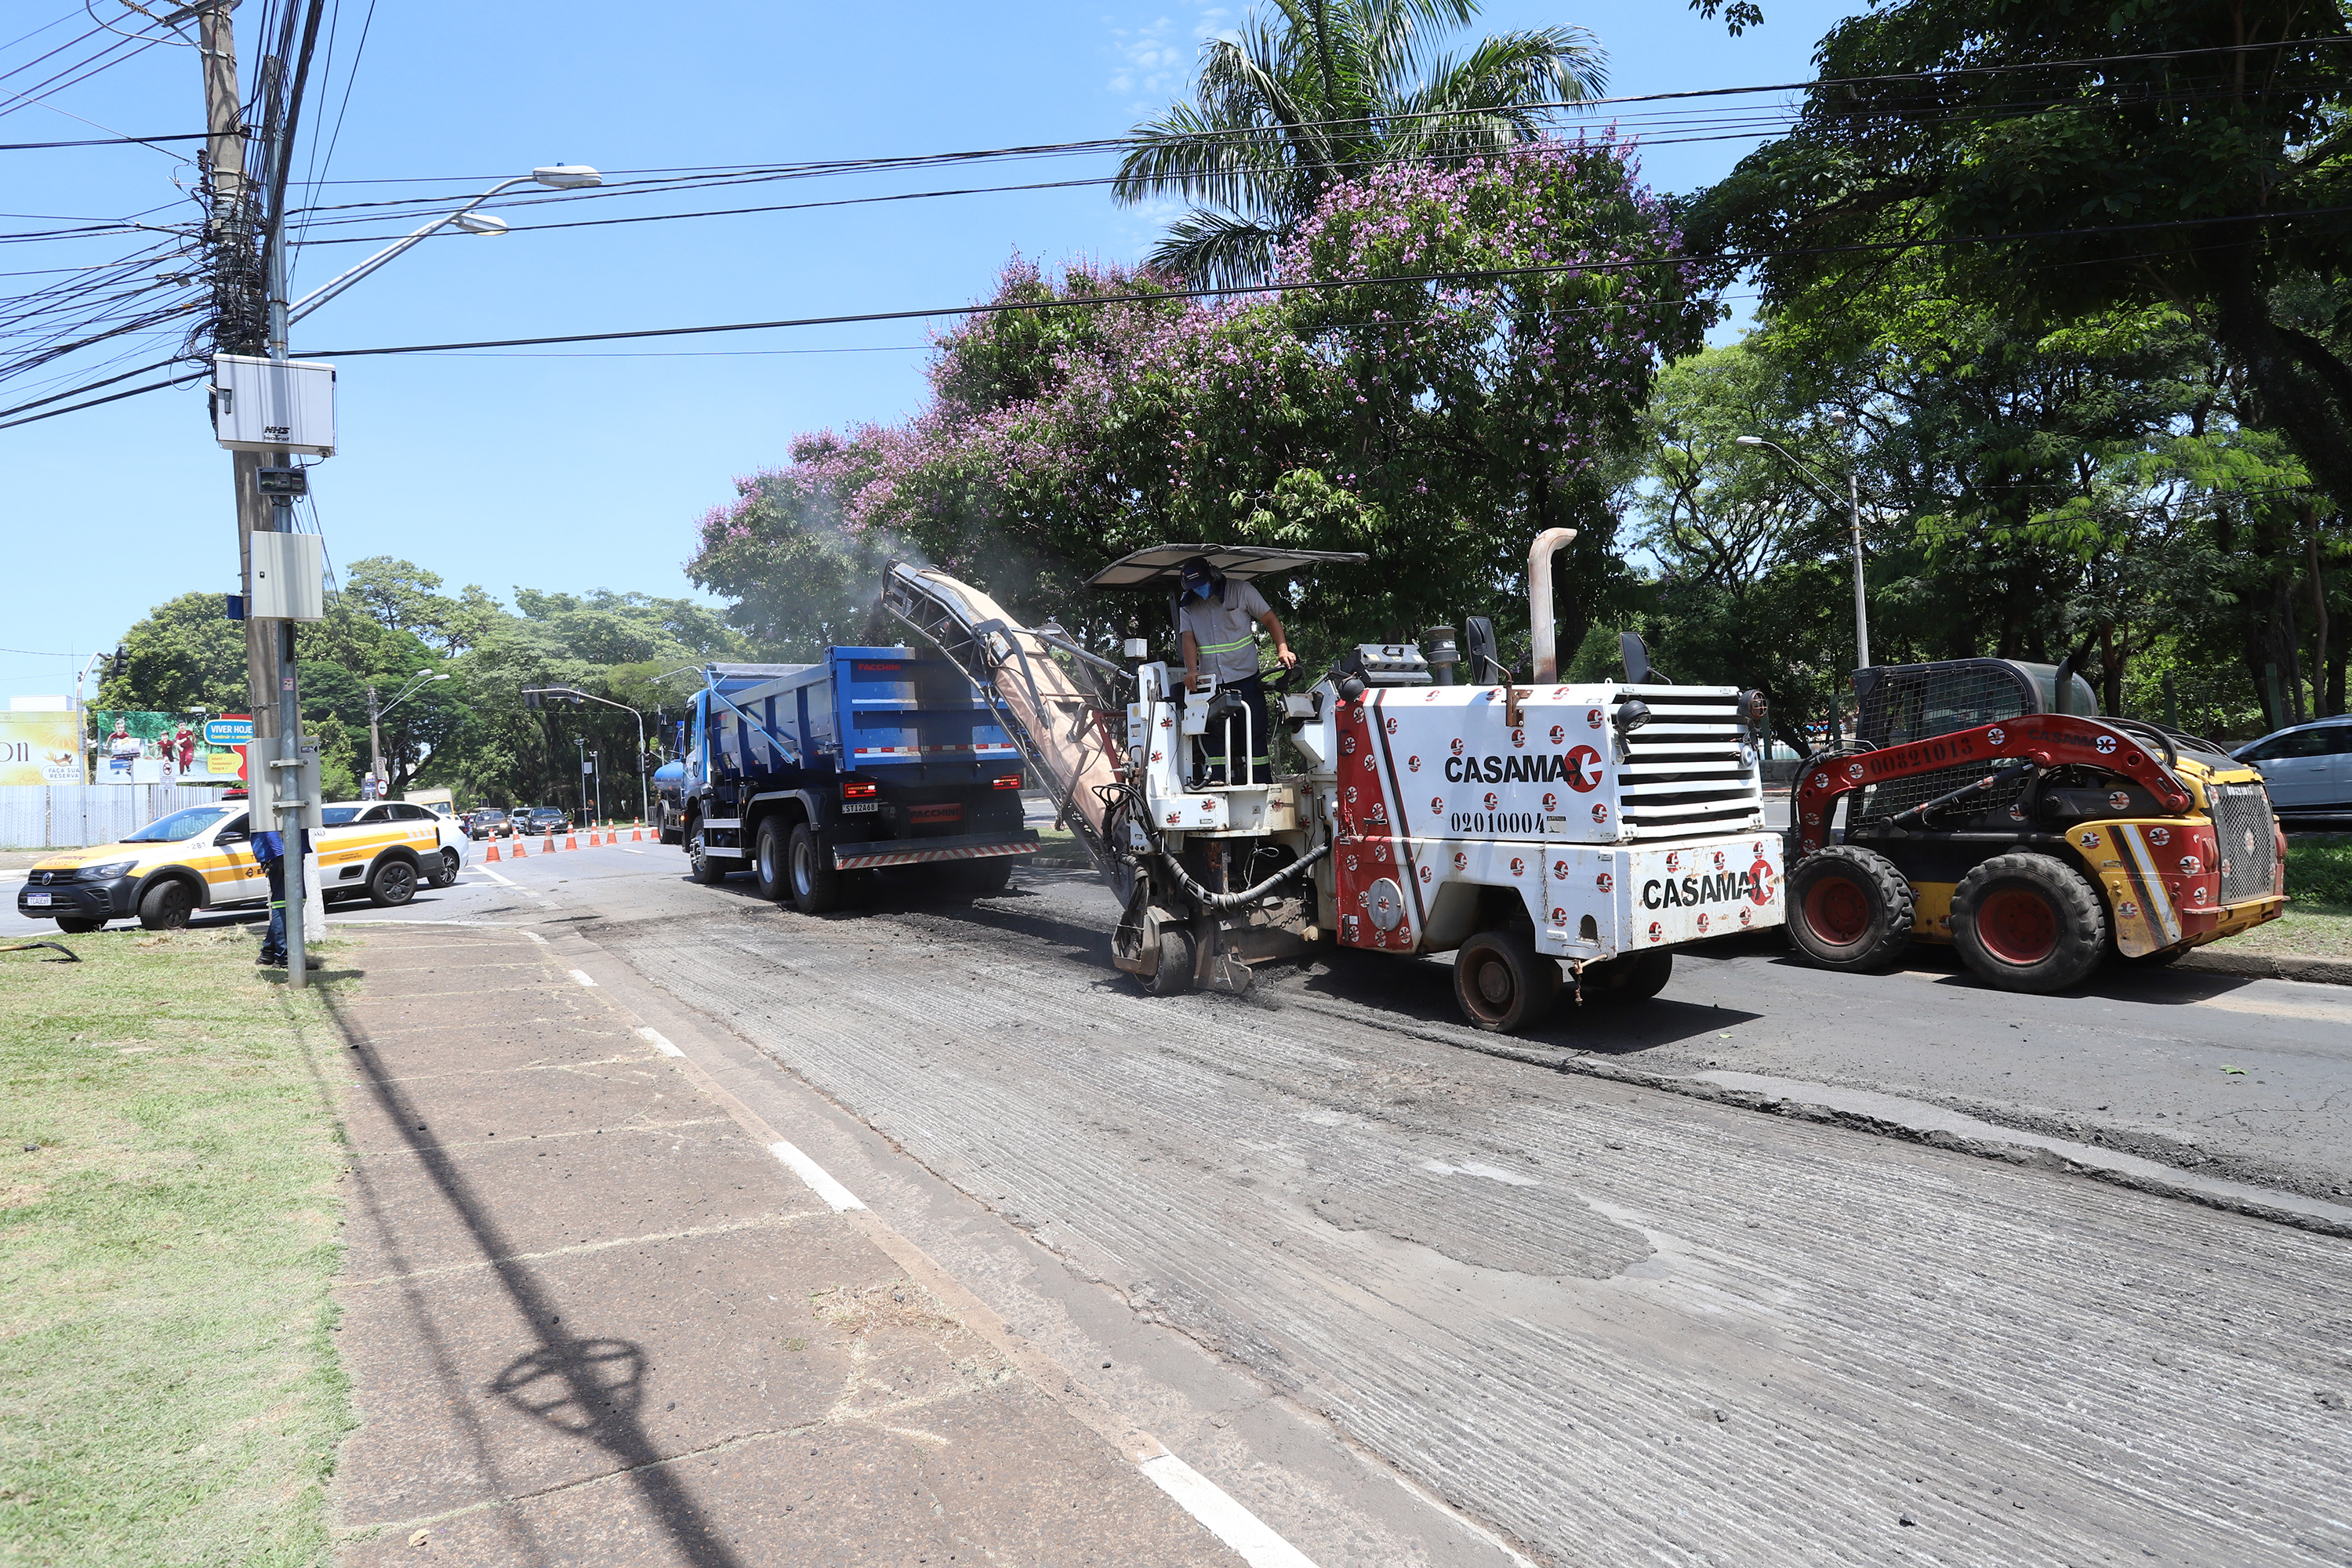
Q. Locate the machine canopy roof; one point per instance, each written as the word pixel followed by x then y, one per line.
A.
pixel 1159 566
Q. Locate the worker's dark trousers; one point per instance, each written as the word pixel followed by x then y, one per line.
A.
pixel 1213 744
pixel 273 945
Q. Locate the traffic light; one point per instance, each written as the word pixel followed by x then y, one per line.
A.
pixel 118 664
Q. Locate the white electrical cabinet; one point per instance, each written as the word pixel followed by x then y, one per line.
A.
pixel 290 577
pixel 274 406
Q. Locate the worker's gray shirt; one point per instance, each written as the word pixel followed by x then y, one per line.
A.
pixel 1221 630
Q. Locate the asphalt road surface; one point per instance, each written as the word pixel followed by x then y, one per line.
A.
pixel 1413 1302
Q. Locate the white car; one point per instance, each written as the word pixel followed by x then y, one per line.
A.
pixel 2306 768
pixel 345 868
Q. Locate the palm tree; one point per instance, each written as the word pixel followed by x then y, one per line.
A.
pixel 1321 90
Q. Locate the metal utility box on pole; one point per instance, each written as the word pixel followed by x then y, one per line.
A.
pixel 274 405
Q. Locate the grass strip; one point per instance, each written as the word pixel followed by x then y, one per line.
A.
pixel 169 1228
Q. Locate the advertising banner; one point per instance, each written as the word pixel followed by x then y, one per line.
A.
pixel 39 748
pixel 141 747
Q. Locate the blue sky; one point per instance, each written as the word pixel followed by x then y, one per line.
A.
pixel 563 470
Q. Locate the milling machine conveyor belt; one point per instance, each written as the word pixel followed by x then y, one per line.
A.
pixel 1058 717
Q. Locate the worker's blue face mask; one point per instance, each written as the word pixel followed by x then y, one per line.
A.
pixel 1201 590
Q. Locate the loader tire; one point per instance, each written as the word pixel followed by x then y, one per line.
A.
pixel 2029 922
pixel 814 883
pixel 1502 984
pixel 768 861
pixel 1849 909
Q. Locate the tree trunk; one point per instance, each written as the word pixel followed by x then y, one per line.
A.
pixel 2298 379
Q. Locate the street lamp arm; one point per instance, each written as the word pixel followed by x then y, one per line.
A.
pixel 1854 518
pixel 336 285
pixel 645 800
pixel 1819 486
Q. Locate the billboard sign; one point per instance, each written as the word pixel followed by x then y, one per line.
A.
pixel 136 746
pixel 39 748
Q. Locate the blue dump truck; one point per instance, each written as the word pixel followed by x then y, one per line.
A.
pixel 872 762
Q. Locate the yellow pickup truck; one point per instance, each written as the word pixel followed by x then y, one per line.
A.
pixel 202 858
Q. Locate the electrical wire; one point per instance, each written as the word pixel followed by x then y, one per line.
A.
pixel 102 141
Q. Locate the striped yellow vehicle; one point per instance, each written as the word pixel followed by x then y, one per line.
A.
pixel 202 858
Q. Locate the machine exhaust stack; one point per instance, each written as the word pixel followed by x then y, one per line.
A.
pixel 1539 621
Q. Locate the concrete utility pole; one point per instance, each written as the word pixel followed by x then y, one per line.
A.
pixel 375 740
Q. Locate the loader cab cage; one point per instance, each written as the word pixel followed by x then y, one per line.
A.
pixel 1902 703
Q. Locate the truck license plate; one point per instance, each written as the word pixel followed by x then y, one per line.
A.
pixel 850 805
pixel 38 900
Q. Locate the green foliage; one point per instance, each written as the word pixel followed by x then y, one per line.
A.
pixel 390 624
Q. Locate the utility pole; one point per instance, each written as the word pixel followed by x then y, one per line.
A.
pixel 375 742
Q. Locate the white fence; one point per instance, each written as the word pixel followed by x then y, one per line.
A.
pixel 68 817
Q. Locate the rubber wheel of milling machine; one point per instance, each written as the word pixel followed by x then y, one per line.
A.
pixel 1502 983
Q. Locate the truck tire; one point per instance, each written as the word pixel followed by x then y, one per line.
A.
pixel 990 877
pixel 78 925
pixel 2029 922
pixel 392 884
pixel 701 867
pixel 1628 977
pixel 1849 909
pixel 816 885
pixel 1502 983
pixel 768 861
pixel 167 905
pixel 1172 976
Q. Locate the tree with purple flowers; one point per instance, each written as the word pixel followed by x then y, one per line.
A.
pixel 1449 361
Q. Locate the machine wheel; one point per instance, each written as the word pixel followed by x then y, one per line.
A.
pixel 392 884
pixel 701 867
pixel 1629 977
pixel 1173 974
pixel 1502 983
pixel 768 861
pixel 78 925
pixel 2029 922
pixel 816 884
pixel 167 905
pixel 1849 909
pixel 446 875
pixel 2161 958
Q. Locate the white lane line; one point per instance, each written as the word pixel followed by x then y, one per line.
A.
pixel 581 976
pixel 537 938
pixel 819 1180
pixel 629 849
pixel 1229 1522
pixel 664 1046
pixel 493 875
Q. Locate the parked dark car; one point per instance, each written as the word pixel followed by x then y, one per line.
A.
pixel 544 819
pixel 485 821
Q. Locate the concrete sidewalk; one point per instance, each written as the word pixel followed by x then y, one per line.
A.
pixel 596 1312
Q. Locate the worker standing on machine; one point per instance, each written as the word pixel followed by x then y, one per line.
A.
pixel 1219 641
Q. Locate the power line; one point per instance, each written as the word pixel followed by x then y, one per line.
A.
pixel 99 141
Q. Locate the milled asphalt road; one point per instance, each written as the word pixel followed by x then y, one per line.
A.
pixel 1349 1267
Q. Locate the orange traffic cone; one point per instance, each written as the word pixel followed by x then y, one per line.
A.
pixel 638 835
pixel 548 847
pixel 519 850
pixel 570 841
pixel 493 854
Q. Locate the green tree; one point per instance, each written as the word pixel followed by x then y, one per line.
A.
pixel 184 652
pixel 2123 156
pixel 1318 92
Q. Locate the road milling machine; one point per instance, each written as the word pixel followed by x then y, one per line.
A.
pixel 1985 803
pixel 1545 833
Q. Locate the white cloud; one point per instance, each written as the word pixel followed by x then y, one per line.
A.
pixel 1154 61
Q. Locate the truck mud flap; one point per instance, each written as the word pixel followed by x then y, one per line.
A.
pixel 926 851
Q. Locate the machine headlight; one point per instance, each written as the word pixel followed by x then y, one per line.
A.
pixel 1631 715
pixel 108 872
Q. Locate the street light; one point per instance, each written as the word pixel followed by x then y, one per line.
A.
pixel 555 176
pixel 532 693
pixel 1853 510
pixel 416 683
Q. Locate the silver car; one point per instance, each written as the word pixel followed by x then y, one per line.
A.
pixel 2307 768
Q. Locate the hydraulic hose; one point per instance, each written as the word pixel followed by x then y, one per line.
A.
pixel 1207 899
